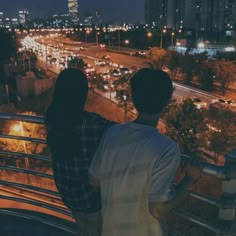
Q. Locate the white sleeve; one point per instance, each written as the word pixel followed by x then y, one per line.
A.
pixel 161 186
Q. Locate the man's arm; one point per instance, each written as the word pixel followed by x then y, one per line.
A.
pixel 159 209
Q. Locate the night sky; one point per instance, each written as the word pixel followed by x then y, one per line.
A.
pixel 131 11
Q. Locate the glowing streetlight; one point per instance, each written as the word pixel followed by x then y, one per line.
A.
pixel 97 34
pixel 125 101
pixel 127 42
pixel 201 45
pixel 149 34
pixel 19 128
pixel 172 39
pixel 162 31
pixel 86 36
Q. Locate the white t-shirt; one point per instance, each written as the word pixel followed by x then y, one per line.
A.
pixel 135 164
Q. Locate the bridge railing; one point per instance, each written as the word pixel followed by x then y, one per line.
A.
pixel 23 182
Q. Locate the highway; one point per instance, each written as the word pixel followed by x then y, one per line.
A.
pixel 93 52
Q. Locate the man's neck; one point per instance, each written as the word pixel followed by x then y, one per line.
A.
pixel 147 119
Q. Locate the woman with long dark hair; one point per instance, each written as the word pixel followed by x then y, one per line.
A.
pixel 73 136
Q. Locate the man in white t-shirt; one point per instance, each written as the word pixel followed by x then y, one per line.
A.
pixel 135 165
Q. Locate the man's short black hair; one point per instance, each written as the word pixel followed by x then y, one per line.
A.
pixel 151 90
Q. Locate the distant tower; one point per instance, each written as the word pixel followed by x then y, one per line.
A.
pixel 73 7
pixel 23 17
pixel 98 15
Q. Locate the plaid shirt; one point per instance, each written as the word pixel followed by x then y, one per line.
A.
pixel 71 177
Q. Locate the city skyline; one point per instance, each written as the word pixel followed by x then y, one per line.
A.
pixel 42 8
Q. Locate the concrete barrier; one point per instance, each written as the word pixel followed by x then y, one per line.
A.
pixel 42 85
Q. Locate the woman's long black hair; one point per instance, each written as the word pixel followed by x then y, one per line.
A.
pixel 65 113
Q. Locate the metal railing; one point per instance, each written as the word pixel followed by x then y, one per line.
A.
pixel 25 190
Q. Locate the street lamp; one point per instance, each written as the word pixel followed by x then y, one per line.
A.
pixel 127 42
pixel 86 36
pixel 97 34
pixel 149 34
pixel 19 128
pixel 119 39
pixel 172 39
pixel 125 103
pixel 162 31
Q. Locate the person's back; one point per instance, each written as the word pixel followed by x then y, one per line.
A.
pixel 136 165
pixel 70 169
pixel 73 136
pixel 131 152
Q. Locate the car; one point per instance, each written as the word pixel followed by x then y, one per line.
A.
pixel 199 103
pixel 102 45
pixel 82 48
pixel 62 65
pixel 122 94
pixel 63 59
pixel 99 62
pixel 105 75
pixel 125 70
pixel 106 85
pixel 230 102
pixel 115 73
pixel 52 60
pixel 142 53
pixel 89 69
pixel 107 59
pixel 224 101
pixel 139 53
pixel 111 63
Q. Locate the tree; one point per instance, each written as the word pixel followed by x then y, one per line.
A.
pixel 27 59
pixel 173 61
pixel 186 125
pixel 222 126
pixel 95 81
pixel 8 47
pixel 206 75
pixel 77 63
pixel 188 66
pixel 157 56
pixel 225 73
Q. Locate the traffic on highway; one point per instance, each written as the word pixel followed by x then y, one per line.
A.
pixel 54 53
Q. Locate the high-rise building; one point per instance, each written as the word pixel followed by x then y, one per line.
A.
pixel 98 18
pixel 215 15
pixel 14 22
pixel 196 15
pixel 23 17
pixel 179 14
pixel 1 20
pixel 73 7
pixel 88 21
pixel 230 15
pixel 161 13
pixel 155 13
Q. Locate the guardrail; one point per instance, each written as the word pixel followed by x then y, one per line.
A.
pixel 22 190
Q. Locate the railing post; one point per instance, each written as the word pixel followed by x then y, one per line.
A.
pixel 229 191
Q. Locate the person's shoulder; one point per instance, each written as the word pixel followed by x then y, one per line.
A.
pixel 164 142
pixel 96 119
